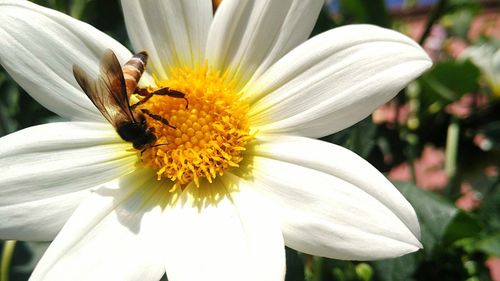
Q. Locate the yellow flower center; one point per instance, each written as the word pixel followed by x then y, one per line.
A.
pixel 209 134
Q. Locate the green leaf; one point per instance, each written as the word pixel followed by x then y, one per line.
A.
pixel 490 245
pixel 364 271
pixel 449 80
pixel 325 22
pixel 353 11
pixel 440 222
pixel 365 11
pixel 359 138
pixel 377 12
pixel 26 256
pixel 294 265
pixel 490 208
pixel 362 138
pixel 401 268
pixel 463 225
pixel 459 22
pixel 78 7
pixel 434 212
pixel 459 16
pixel 341 270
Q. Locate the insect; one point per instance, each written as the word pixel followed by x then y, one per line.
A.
pixel 111 92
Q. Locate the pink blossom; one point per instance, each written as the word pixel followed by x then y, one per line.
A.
pixel 494 265
pixel 455 46
pixel 483 142
pixel 469 199
pixel 463 107
pixel 390 113
pixel 429 170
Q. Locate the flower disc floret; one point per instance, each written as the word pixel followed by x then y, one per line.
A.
pixel 211 127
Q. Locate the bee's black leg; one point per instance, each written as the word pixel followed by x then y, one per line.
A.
pixel 171 93
pixel 159 144
pixel 144 100
pixel 142 92
pixel 157 118
pixel 161 92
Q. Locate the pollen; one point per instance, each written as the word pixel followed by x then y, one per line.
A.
pixel 209 128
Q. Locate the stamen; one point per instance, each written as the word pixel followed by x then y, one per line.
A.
pixel 207 137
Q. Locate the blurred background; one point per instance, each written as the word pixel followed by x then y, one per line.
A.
pixel 438 140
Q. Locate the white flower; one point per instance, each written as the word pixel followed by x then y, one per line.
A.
pixel 110 217
pixel 487 58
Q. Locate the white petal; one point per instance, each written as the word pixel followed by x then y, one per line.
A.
pixel 114 235
pixel 173 32
pixel 487 58
pixel 332 202
pixel 246 37
pixel 38 220
pixel 58 158
pixel 38 48
pixel 334 80
pixel 230 236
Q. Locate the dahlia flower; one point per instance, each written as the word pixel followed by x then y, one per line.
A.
pixel 238 178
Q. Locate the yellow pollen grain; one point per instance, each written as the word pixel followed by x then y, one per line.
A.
pixel 209 134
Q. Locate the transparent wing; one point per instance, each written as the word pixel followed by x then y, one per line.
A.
pixel 108 92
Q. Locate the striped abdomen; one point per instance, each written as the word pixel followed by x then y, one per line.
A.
pixel 132 71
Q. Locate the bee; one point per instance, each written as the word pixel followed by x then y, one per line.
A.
pixel 111 92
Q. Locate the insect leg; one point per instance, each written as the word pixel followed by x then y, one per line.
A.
pixel 144 100
pixel 142 92
pixel 172 93
pixel 161 92
pixel 157 118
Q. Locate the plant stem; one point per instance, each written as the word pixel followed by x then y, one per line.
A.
pixel 313 270
pixel 77 8
pixel 451 156
pixel 7 253
pixel 436 13
pixel 452 139
pixel 411 163
pixel 318 269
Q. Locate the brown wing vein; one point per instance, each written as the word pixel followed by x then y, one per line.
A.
pixel 108 92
